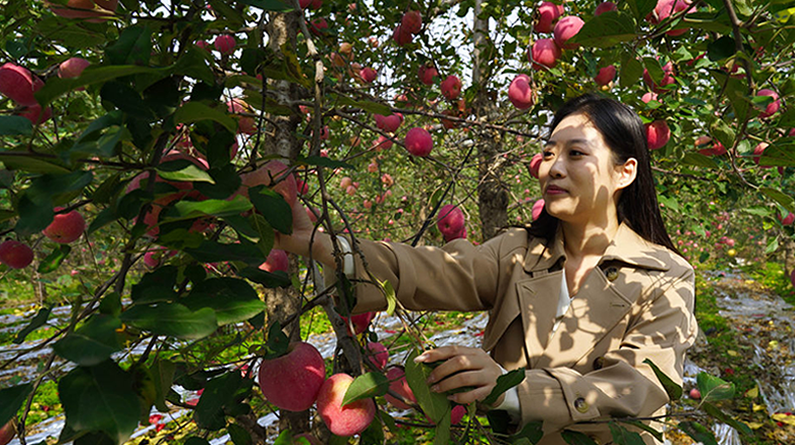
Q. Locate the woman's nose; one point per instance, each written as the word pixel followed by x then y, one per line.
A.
pixel 557 170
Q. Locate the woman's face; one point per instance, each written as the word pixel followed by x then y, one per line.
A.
pixel 579 179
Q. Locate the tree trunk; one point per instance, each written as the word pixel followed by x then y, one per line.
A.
pixel 279 138
pixel 492 192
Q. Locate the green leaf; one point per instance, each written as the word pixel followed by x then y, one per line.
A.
pixel 390 295
pixel 162 372
pixel 322 162
pixel 92 343
pixel 674 391
pixel 48 186
pixel 576 438
pixel 699 160
pixel 698 432
pixel 134 47
pixel 273 207
pixel 435 405
pixel 267 279
pixel 57 87
pixel 644 427
pixel 15 126
pixel 781 198
pixel 196 111
pixel 218 393
pixel 720 49
pixel 193 64
pixel 232 299
pixel 157 285
pixel 714 388
pixel 631 70
pixel 622 436
pixel 442 436
pixel 778 155
pixel 11 399
pixel 641 8
pixel 100 398
pixel 25 161
pixel 365 105
pixel 213 252
pixel 504 383
pixel 772 246
pixel 126 99
pixel 606 30
pixel 532 431
pixel 196 441
pixel 717 413
pixel 214 207
pixel 277 343
pixel 37 322
pixel 188 173
pixel 269 5
pixel 34 216
pixel 238 434
pixel 723 133
pixel 54 259
pixel 172 319
pixel 365 386
pixel 110 304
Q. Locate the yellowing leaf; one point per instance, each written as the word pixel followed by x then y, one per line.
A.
pixel 784 418
pixel 752 393
pixel 732 353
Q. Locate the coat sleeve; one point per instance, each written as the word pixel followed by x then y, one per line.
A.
pixel 623 386
pixel 458 276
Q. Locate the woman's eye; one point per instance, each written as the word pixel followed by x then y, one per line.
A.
pixel 546 154
pixel 575 153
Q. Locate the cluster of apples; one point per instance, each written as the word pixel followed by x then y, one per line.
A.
pixel 451 222
pixel 65 228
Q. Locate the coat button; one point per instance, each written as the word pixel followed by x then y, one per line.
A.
pixel 581 405
pixel 611 273
pixel 598 363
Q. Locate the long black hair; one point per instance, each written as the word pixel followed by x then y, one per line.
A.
pixel 625 135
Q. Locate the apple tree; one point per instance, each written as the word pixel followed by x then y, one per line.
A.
pixel 155 147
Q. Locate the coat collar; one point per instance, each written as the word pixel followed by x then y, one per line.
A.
pixel 627 247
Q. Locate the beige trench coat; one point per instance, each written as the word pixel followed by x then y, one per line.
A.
pixel 636 304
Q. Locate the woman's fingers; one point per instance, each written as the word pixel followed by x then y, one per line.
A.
pixel 462 367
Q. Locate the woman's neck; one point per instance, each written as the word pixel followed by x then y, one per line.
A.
pixel 588 239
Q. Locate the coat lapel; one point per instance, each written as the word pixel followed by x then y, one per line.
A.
pixel 599 305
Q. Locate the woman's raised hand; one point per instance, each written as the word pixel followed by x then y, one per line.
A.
pixel 462 367
pixel 300 241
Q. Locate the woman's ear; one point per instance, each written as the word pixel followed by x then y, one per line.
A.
pixel 627 172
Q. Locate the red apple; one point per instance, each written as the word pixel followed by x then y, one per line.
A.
pixel 548 13
pixel 292 382
pixel 792 278
pixel 535 162
pixel 451 87
pixel 388 123
pixel 15 254
pixel 318 26
pixel 377 354
pixel 399 385
pixel 544 53
pixel 72 67
pixel 668 78
pixel 456 414
pixel 7 432
pixel 419 142
pixel 402 37
pixel 520 93
pixel 368 74
pixel 277 261
pixel 65 227
pixel 265 175
pixel 426 73
pixel 657 134
pixel 666 8
pixel 360 322
pixel 19 84
pixel 382 143
pixel 695 394
pixel 538 206
pixel 565 29
pixel 649 96
pixel 605 75
pixel 787 220
pixel 605 7
pixel 759 151
pixel 245 124
pixel 225 44
pixel 411 22
pixel 450 221
pixel 771 108
pixel 346 420
pixel 35 115
pixel 315 4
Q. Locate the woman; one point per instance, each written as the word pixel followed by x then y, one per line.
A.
pixel 580 298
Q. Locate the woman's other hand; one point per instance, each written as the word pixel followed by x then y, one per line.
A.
pixel 463 367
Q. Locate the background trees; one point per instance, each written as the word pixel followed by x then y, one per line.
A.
pixel 147 118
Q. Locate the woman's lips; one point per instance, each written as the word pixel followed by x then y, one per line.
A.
pixel 554 190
